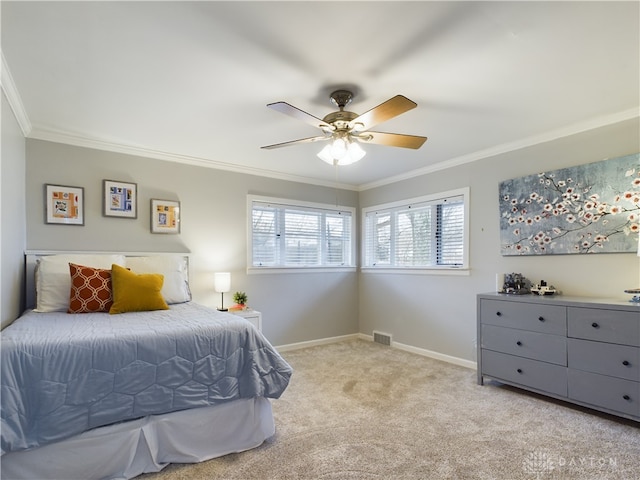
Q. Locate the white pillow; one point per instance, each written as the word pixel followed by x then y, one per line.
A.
pixel 53 279
pixel 175 288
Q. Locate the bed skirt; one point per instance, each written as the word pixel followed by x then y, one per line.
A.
pixel 128 449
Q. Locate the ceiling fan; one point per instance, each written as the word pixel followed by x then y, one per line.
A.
pixel 347 129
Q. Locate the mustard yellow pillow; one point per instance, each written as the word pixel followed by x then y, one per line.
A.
pixel 134 292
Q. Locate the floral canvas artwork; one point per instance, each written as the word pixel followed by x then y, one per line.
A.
pixel 592 208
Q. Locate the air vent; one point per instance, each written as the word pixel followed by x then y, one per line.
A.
pixel 382 338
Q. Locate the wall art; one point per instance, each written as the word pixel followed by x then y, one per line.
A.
pixel 593 208
pixel 120 199
pixel 64 205
pixel 165 216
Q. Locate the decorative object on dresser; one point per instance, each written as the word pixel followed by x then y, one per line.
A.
pixel 165 216
pixel 516 284
pixel 636 294
pixel 64 205
pixel 575 349
pixel 120 199
pixel 543 289
pixel 222 284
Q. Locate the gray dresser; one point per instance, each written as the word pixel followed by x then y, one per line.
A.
pixel 581 350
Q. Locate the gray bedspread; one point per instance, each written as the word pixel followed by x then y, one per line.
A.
pixel 63 374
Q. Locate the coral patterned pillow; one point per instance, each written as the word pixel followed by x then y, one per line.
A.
pixel 90 289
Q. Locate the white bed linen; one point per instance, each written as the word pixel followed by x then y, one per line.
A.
pixel 128 449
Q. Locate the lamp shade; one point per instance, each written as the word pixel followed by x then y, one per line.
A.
pixel 222 282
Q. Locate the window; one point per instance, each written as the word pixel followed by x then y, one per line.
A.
pixel 426 232
pixel 288 234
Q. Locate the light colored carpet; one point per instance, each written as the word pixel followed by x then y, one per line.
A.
pixel 359 410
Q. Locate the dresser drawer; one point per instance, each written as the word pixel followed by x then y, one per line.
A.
pixel 527 316
pixel 619 361
pixel 526 372
pixel 607 392
pixel 604 325
pixel 523 343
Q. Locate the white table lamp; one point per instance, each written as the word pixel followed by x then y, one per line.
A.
pixel 222 282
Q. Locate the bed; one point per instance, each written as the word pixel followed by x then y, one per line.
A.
pixel 100 395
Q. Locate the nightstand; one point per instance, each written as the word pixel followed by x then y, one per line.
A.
pixel 253 316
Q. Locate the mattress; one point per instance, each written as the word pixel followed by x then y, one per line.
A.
pixel 63 374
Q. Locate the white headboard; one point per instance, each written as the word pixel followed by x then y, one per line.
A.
pixel 32 256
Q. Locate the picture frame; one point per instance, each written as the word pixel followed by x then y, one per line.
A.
pixel 584 209
pixel 165 216
pixel 120 199
pixel 64 205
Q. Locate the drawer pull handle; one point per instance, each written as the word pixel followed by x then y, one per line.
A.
pixel 519 343
pixel 541 319
pixel 626 397
pixel 626 363
pixel 499 314
pixel 519 370
pixel 595 325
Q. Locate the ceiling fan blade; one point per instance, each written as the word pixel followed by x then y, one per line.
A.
pixel 383 112
pixel 392 139
pixel 296 142
pixel 295 112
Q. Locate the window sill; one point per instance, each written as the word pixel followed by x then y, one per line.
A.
pixel 270 270
pixel 459 271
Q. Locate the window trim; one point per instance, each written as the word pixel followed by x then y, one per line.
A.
pixel 251 269
pixel 463 269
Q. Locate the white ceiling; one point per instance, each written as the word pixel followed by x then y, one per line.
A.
pixel 189 81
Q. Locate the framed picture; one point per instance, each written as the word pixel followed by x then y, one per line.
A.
pixel 592 208
pixel 64 205
pixel 120 199
pixel 165 216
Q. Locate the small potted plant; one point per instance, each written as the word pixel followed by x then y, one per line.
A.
pixel 240 298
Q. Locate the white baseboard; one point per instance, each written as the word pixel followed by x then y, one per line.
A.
pixel 400 346
pixel 314 343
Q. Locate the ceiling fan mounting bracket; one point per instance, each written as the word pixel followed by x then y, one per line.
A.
pixel 341 98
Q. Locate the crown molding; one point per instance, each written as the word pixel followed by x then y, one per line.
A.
pixel 80 141
pixel 576 128
pixel 13 97
pixel 40 133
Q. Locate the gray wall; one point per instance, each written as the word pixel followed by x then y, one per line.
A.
pixel 13 225
pixel 435 313
pixel 438 313
pixel 296 307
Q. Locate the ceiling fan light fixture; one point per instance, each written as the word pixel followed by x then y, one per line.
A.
pixel 338 148
pixel 356 152
pixel 344 130
pixel 341 152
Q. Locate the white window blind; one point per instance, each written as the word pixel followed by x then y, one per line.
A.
pixel 424 232
pixel 298 236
